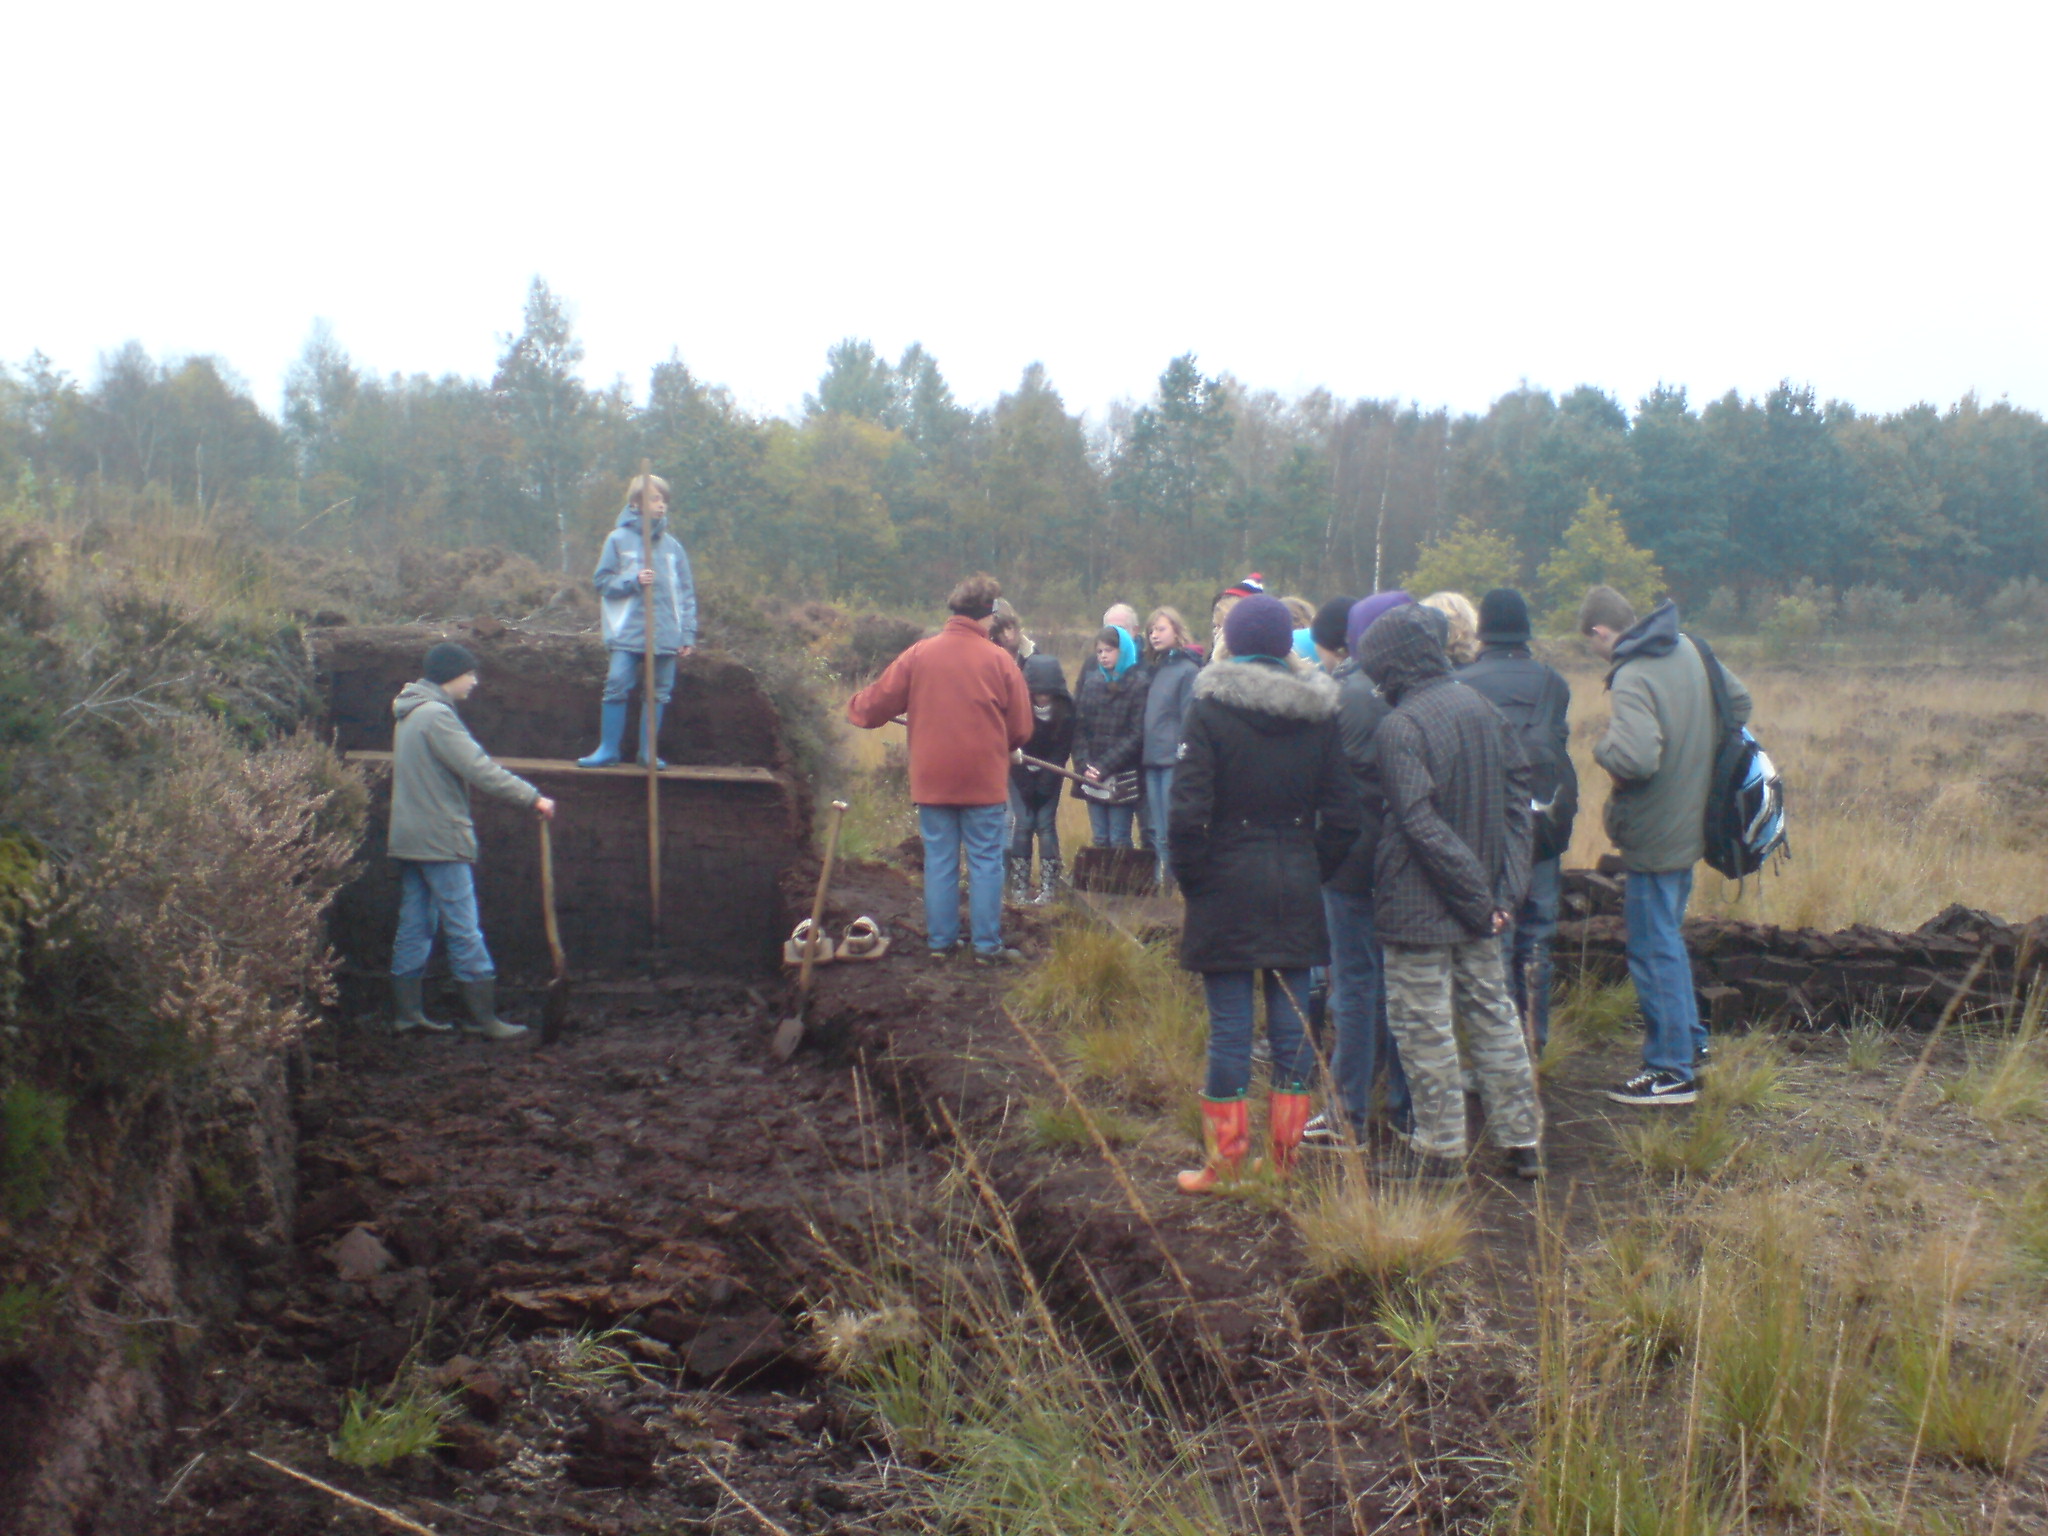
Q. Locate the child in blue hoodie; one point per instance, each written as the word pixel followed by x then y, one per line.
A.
pixel 1109 730
pixel 622 572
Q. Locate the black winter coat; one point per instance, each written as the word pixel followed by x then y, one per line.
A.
pixel 1109 720
pixel 1264 808
pixel 1454 843
pixel 1360 709
pixel 1537 702
pixel 1051 740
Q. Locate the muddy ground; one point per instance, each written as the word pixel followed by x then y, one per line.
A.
pixel 486 1214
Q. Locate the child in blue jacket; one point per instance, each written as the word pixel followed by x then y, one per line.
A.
pixel 622 572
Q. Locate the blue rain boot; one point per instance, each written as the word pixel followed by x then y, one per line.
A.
pixel 659 711
pixel 613 728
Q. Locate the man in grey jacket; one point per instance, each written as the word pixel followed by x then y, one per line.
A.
pixel 1659 751
pixel 434 761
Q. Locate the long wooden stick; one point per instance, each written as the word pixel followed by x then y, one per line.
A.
pixel 392 1515
pixel 649 710
pixel 803 976
pixel 1039 762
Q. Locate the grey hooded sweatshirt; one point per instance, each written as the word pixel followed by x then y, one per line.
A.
pixel 434 761
pixel 623 608
pixel 1659 745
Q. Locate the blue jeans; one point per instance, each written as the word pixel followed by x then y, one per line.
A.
pixel 1230 1032
pixel 1158 790
pixel 1526 947
pixel 1111 824
pixel 1358 1005
pixel 623 680
pixel 1041 820
pixel 1661 969
pixel 948 830
pixel 438 895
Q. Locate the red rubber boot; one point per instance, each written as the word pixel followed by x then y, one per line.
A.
pixel 1286 1118
pixel 1227 1133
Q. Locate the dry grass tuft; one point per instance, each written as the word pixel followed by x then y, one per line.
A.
pixel 1354 1229
pixel 1683 1146
pixel 1980 1410
pixel 2009 1081
pixel 1131 1018
pixel 1748 1072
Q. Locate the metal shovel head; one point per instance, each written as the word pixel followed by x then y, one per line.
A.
pixel 554 1010
pixel 789 1034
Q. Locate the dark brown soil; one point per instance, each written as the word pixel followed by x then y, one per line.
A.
pixel 658 1172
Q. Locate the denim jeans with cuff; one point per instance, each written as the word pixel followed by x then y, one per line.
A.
pixel 1230 1032
pixel 439 894
pixel 1652 909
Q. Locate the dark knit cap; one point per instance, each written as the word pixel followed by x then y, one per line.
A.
pixel 1259 626
pixel 448 661
pixel 1503 618
pixel 1366 610
pixel 1327 628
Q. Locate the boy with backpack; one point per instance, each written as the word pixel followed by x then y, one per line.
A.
pixel 1536 700
pixel 1659 748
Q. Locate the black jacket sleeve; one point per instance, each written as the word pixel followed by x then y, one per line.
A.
pixel 1338 808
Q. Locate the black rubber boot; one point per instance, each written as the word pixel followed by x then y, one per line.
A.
pixel 481 998
pixel 408 1011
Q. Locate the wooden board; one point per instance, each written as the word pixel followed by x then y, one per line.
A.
pixel 712 772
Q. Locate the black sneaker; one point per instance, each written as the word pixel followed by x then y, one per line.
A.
pixel 1705 1056
pixel 1525 1162
pixel 1653 1085
pixel 1322 1134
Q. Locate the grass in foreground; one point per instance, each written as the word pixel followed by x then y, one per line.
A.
pixel 1131 1018
pixel 1355 1229
pixel 1067 1125
pixel 375 1432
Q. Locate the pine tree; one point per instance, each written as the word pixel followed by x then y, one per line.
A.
pixel 1596 552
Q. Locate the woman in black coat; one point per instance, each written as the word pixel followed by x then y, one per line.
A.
pixel 1109 732
pixel 1264 810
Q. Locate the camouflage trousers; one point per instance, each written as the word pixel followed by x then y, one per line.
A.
pixel 1430 985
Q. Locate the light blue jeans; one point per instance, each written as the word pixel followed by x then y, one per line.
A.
pixel 1652 909
pixel 623 680
pixel 1230 1032
pixel 1158 791
pixel 978 832
pixel 1110 825
pixel 438 895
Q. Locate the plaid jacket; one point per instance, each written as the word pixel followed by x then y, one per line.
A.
pixel 1455 840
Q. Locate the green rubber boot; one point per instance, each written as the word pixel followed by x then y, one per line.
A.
pixel 408 1010
pixel 481 998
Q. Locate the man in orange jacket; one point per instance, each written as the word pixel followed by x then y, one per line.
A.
pixel 968 711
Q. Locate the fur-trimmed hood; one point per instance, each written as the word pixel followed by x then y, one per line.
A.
pixel 1286 696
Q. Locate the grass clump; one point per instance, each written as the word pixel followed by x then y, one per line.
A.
pixel 1131 1018
pixel 1067 1125
pixel 1356 1230
pixel 1867 1039
pixel 377 1432
pixel 584 1361
pixel 1684 1146
pixel 1982 1411
pixel 2009 1082
pixel 1637 1297
pixel 32 1127
pixel 1748 1072
pixel 1414 1324
pixel 1593 1012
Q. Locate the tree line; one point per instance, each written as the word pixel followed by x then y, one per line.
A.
pixel 886 484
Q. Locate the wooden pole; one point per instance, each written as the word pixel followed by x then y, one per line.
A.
pixel 649 710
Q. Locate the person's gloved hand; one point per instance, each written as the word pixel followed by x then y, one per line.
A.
pixel 1017 755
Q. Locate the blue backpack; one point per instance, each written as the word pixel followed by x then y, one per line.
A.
pixel 1745 822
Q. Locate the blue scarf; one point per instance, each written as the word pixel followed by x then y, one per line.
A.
pixel 1126 657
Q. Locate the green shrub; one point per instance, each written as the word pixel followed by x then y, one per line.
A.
pixel 32 1125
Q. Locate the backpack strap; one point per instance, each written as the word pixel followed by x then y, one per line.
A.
pixel 1717 683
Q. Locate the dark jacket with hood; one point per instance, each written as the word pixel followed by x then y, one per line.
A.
pixel 623 610
pixel 1360 709
pixel 1166 705
pixel 1264 808
pixel 1659 744
pixel 1537 702
pixel 1454 842
pixel 1109 730
pixel 1052 739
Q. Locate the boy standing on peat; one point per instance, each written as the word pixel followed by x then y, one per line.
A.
pixel 1659 751
pixel 434 762
pixel 622 571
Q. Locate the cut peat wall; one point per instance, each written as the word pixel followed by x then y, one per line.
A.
pixel 725 846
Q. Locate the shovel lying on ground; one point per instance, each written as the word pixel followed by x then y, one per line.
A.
pixel 789 1034
pixel 554 1011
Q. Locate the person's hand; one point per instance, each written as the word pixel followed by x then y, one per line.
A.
pixel 545 807
pixel 1501 921
pixel 1017 755
pixel 647 577
pixel 685 650
pixel 1092 774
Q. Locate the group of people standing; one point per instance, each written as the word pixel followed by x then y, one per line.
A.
pixel 1376 792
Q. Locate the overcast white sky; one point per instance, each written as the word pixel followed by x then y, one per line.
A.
pixel 1430 201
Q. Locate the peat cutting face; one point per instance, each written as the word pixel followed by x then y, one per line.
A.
pixel 724 845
